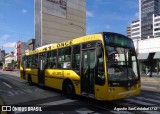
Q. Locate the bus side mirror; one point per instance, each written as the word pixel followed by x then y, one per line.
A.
pixel 99 52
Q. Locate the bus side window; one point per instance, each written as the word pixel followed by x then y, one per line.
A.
pixel 51 59
pixel 29 60
pixel 54 58
pixel 34 61
pixel 64 58
pixel 76 58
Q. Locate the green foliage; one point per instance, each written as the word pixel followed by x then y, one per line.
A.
pixel 13 62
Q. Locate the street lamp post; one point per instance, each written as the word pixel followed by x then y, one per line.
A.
pixel 78 26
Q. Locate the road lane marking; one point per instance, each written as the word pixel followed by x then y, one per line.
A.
pixel 7 85
pixel 148 99
pixel 156 97
pixel 85 111
pixel 139 102
pixel 151 112
pixel 59 102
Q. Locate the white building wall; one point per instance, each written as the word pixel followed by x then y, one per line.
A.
pixel 135 30
pixel 140 16
pixel 147 45
pixel 9 59
pixel 24 47
pixel 156 25
pixel 15 52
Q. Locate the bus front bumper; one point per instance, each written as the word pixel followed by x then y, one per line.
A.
pixel 115 93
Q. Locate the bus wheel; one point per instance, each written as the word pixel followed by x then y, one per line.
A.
pixel 69 90
pixel 30 80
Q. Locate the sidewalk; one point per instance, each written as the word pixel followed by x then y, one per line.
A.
pixel 150 83
pixel 14 72
pixel 153 78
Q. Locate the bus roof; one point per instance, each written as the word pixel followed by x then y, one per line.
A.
pixel 66 43
pixel 98 36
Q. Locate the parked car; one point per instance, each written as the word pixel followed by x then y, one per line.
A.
pixel 7 67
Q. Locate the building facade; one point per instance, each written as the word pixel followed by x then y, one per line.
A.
pixel 129 31
pixel 9 58
pixel 20 49
pixel 148 51
pixel 59 20
pixel 135 30
pixel 2 55
pixel 156 25
pixel 146 37
pixel 147 9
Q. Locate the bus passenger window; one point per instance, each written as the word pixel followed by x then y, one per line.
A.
pixel 76 58
pixel 51 59
pixel 66 64
pixel 34 61
pixel 54 58
pixel 29 61
pixel 64 57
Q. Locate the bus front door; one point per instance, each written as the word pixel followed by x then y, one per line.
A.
pixel 41 68
pixel 88 73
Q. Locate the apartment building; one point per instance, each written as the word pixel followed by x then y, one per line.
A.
pixel 135 30
pixel 129 31
pixel 156 25
pixel 147 9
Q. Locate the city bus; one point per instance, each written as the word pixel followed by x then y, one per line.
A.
pixel 101 66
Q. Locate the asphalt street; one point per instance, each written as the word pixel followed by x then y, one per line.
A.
pixel 15 91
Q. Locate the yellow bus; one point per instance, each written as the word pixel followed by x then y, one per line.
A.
pixel 102 66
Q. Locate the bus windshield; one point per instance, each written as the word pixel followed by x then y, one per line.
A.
pixel 121 63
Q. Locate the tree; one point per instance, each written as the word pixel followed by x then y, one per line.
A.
pixel 13 63
pixel 1 64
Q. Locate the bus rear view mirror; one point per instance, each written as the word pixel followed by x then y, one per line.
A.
pixel 99 52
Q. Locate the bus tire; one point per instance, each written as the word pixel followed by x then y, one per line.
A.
pixel 69 90
pixel 30 80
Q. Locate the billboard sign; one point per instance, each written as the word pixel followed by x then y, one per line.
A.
pixel 55 7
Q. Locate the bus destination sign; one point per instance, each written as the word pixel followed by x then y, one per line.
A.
pixel 118 40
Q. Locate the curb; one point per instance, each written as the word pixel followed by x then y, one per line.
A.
pixel 152 89
pixel 13 73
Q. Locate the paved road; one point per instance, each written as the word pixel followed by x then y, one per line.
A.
pixel 17 92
